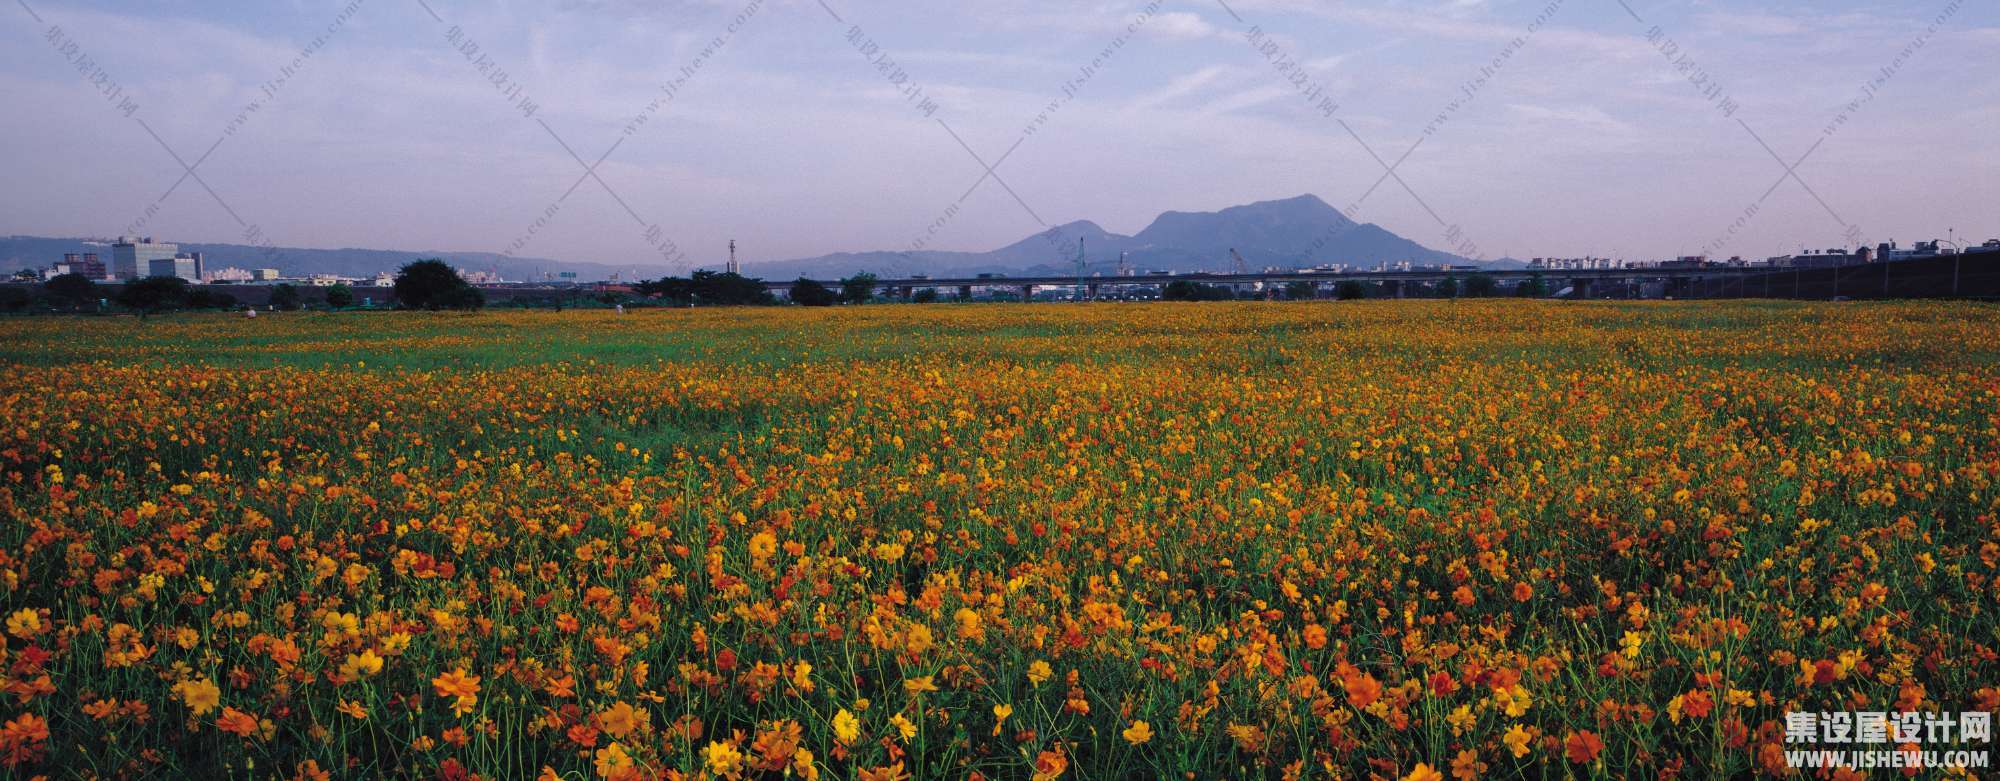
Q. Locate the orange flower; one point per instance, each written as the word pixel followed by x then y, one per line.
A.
pixel 1050 765
pixel 1424 772
pixel 237 722
pixel 1582 746
pixel 622 719
pixel 461 685
pixel 27 729
pixel 1362 688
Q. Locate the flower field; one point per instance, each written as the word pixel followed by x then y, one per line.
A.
pixel 1410 540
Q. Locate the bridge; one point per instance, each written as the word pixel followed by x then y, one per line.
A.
pixel 1689 281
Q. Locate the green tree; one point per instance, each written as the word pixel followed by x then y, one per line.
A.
pixel 807 292
pixel 340 296
pixel 154 294
pixel 1448 288
pixel 1349 290
pixel 430 284
pixel 15 299
pixel 858 289
pixel 927 295
pixel 284 296
pixel 1535 287
pixel 1190 290
pixel 1300 290
pixel 73 289
pixel 1480 286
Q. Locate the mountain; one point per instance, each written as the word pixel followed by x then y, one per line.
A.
pixel 1289 233
pixel 18 252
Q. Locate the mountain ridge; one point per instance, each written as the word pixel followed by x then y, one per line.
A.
pixel 1299 231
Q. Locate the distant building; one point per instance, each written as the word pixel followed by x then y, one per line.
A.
pixel 86 264
pixel 265 275
pixel 385 279
pixel 183 265
pixel 132 257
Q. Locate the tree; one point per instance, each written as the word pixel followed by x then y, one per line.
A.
pixel 205 297
pixel 1448 288
pixel 284 296
pixel 1535 287
pixel 340 296
pixel 1480 286
pixel 858 289
pixel 1300 290
pixel 76 289
pixel 725 288
pixel 15 299
pixel 154 294
pixel 807 292
pixel 927 295
pixel 1189 290
pixel 1349 290
pixel 430 284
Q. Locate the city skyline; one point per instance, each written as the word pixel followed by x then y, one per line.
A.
pixel 1511 128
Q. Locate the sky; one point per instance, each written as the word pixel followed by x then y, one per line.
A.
pixel 654 132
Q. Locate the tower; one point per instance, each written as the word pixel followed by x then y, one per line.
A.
pixel 733 269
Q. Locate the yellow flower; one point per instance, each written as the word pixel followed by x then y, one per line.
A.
pixel 919 685
pixel 1138 733
pixel 1460 719
pixel 803 767
pixel 1000 714
pixel 802 676
pixel 723 759
pixel 361 665
pixel 201 695
pixel 612 761
pixel 846 728
pixel 24 623
pixel 1039 672
pixel 903 726
pixel 1517 740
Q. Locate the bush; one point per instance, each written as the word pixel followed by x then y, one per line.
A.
pixel 1480 286
pixel 15 299
pixel 1350 290
pixel 925 296
pixel 340 296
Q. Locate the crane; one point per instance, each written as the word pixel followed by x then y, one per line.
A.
pixel 1242 266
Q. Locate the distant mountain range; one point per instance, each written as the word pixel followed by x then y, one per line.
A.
pixel 1301 231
